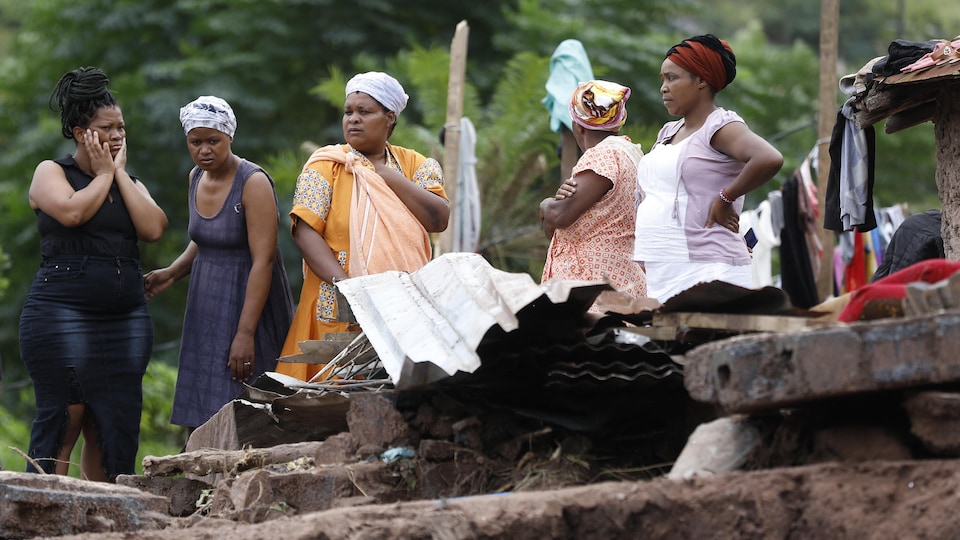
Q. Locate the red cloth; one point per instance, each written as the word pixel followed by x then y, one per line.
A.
pixel 895 285
pixel 856 275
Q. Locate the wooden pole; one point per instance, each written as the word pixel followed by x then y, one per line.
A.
pixel 451 141
pixel 826 118
pixel 946 129
pixel 569 152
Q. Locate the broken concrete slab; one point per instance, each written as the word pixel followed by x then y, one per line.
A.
pixel 259 495
pixel 373 419
pixel 923 298
pixel 720 446
pixel 38 505
pixel 766 372
pixel 934 417
pixel 182 493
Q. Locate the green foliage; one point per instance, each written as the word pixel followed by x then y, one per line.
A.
pixel 158 437
pixel 906 168
pixel 776 93
pixel 625 41
pixel 4 269
pixel 516 150
pixel 15 429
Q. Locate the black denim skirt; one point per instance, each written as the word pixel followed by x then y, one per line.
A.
pixel 86 337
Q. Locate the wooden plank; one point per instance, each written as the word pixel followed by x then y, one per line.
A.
pixel 733 322
pixel 209 460
pixel 321 351
pixel 451 141
pixel 946 132
pixel 569 153
pixel 910 117
pixel 656 333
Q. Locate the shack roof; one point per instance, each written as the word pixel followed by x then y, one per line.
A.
pixel 907 99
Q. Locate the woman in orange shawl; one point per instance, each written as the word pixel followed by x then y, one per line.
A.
pixel 359 208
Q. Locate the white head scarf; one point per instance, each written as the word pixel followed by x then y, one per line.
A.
pixel 381 87
pixel 209 112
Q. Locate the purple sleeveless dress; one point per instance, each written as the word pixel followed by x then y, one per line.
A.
pixel 215 296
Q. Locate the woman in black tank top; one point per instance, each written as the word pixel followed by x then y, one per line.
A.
pixel 85 332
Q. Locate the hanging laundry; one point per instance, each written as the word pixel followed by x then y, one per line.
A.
pixel 768 238
pixel 569 66
pixel 466 225
pixel 902 53
pixel 849 199
pixel 799 280
pixel 942 53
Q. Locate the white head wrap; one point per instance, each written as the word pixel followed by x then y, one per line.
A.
pixel 209 112
pixel 381 87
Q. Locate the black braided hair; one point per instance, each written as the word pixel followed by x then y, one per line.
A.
pixel 713 42
pixel 78 95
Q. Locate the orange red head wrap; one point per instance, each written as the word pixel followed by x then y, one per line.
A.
pixel 708 57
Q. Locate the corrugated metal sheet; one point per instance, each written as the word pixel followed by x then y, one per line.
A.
pixel 429 325
pixel 500 340
pixel 490 337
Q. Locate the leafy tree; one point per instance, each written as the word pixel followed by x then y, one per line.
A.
pixel 776 92
pixel 262 56
pixel 4 268
pixel 905 161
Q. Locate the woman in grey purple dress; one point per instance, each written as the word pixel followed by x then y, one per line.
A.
pixel 239 304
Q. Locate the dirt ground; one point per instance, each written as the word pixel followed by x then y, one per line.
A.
pixel 857 480
pixel 845 468
pixel 903 499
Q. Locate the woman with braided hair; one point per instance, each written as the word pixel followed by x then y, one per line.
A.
pixel 693 180
pixel 85 332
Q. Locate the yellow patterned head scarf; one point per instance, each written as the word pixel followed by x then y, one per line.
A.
pixel 600 105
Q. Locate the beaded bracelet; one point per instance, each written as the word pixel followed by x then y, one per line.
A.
pixel 724 197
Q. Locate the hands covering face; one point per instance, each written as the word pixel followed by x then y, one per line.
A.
pixel 102 161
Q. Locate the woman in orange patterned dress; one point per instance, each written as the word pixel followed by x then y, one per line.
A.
pixel 592 227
